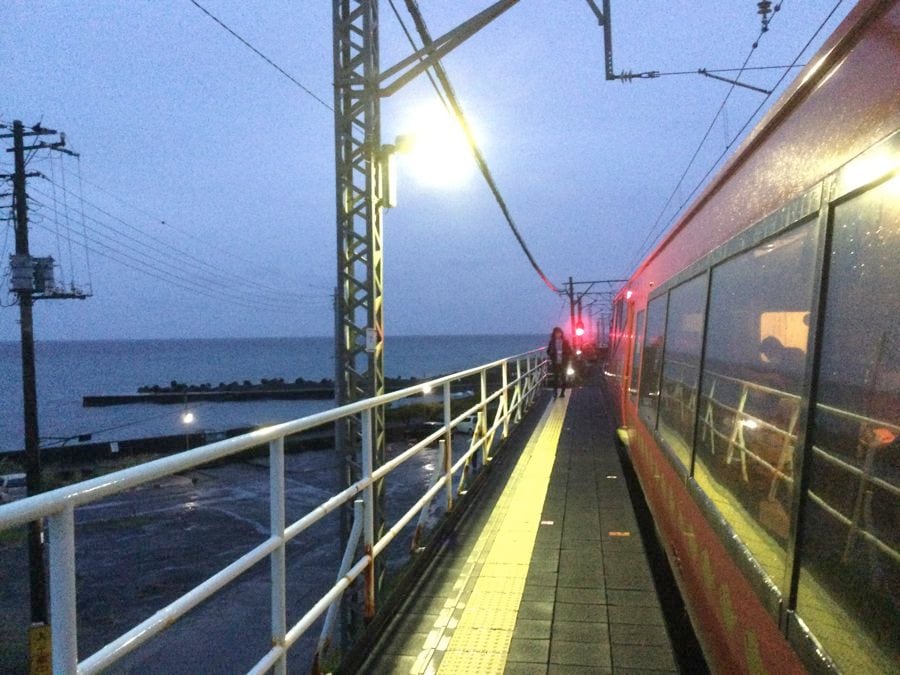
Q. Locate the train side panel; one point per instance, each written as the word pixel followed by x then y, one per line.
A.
pixel 756 444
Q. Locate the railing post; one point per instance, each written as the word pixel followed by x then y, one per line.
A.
pixel 346 562
pixel 277 558
pixel 63 607
pixel 529 379
pixel 484 448
pixel 368 513
pixel 448 446
pixel 518 396
pixel 504 399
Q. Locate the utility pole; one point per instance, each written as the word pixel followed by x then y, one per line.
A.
pixel 571 293
pixel 23 283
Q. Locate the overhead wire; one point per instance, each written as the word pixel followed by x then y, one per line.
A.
pixel 136 255
pixel 747 123
pixel 169 249
pixel 68 221
pixel 653 228
pixel 425 36
pixel 260 54
pixel 143 267
pixel 81 206
pixel 55 213
pixel 724 70
pixel 157 220
pixel 759 107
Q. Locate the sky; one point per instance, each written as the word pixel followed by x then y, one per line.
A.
pixel 203 200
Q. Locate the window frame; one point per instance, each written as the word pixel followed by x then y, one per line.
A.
pixel 815 204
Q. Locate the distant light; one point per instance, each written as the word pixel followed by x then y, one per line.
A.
pixel 579 329
pixel 187 417
pixel 628 295
pixel 577 352
pixel 750 424
pixel 570 370
pixel 426 388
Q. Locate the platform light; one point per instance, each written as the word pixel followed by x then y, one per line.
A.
pixel 438 148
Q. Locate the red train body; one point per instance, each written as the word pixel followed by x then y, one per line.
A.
pixel 755 365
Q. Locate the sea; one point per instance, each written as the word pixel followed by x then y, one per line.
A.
pixel 69 370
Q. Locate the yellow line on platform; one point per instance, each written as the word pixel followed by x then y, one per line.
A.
pixel 476 631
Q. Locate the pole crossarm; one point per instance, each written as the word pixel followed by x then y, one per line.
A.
pixel 417 63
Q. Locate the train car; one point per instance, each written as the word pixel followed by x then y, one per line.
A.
pixel 755 367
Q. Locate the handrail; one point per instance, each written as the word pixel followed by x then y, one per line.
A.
pixel 59 505
pixel 46 503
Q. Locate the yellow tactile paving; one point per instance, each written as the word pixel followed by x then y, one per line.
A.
pixel 477 639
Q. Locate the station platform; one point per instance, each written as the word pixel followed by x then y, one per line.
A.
pixel 547 574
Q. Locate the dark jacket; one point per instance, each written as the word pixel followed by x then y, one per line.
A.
pixel 566 349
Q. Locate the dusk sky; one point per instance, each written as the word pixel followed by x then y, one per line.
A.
pixel 209 170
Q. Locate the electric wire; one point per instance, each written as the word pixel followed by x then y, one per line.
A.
pixel 653 228
pixel 110 253
pixel 725 70
pixel 747 123
pixel 193 260
pixel 68 221
pixel 412 43
pixel 260 54
pixel 480 160
pixel 753 115
pixel 81 207
pixel 157 220
pixel 55 213
pixel 155 267
pixel 147 269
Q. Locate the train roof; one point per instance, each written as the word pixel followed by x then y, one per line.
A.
pixel 846 99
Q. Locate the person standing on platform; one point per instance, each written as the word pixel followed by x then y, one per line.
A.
pixel 560 353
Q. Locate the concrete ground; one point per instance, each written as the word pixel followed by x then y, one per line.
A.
pixel 548 575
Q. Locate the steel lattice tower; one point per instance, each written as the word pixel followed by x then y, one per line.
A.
pixel 359 338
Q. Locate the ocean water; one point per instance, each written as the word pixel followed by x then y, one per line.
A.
pixel 68 370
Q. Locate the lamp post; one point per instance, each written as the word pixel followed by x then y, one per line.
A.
pixel 187 419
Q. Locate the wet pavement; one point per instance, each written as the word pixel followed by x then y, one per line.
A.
pixel 140 550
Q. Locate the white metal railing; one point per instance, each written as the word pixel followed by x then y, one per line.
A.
pixel 511 399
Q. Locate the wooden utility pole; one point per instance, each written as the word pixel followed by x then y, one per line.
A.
pixel 28 288
pixel 29 380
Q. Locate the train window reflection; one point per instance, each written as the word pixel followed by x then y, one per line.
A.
pixel 636 355
pixel 750 403
pixel 653 353
pixel 849 587
pixel 681 367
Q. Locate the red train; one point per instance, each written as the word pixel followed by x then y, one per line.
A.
pixel 755 365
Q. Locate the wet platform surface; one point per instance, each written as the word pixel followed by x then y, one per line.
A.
pixel 547 574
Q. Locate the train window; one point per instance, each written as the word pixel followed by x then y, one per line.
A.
pixel 652 359
pixel 681 367
pixel 636 354
pixel 750 402
pixel 849 586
